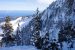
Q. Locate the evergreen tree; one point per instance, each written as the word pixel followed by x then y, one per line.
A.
pixel 18 36
pixel 7 30
pixel 37 28
pixel 46 42
pixel 7 27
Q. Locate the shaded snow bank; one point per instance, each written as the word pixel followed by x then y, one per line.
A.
pixel 19 48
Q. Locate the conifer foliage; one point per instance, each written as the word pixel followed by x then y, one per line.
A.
pixel 7 29
pixel 37 28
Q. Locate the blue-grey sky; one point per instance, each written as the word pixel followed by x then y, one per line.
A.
pixel 24 4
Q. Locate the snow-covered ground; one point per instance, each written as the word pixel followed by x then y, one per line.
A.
pixel 65 47
pixel 19 48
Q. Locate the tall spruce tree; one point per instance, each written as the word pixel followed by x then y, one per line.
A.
pixel 7 27
pixel 37 28
pixel 7 30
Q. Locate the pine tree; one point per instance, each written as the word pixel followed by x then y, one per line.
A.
pixel 7 30
pixel 37 28
pixel 46 42
pixel 7 27
pixel 18 36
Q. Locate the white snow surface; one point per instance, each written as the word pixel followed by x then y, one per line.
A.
pixel 22 22
pixel 19 48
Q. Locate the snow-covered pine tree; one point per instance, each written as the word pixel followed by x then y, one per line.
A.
pixel 37 28
pixel 46 43
pixel 7 27
pixel 7 30
pixel 22 36
pixel 18 36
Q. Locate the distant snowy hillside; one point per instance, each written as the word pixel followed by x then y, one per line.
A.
pixel 22 21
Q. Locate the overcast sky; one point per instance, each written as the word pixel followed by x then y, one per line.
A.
pixel 24 4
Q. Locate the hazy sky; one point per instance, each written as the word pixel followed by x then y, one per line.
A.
pixel 24 4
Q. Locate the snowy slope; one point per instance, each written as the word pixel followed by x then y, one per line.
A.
pixel 22 22
pixel 57 15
